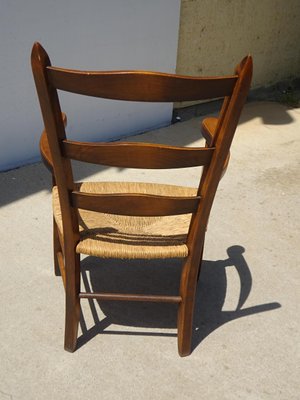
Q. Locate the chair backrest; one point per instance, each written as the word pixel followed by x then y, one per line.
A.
pixel 148 87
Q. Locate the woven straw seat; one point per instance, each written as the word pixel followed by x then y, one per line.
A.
pixel 108 235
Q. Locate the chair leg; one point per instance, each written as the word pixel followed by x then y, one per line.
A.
pixel 188 287
pixel 185 319
pixel 56 248
pixel 200 263
pixel 72 301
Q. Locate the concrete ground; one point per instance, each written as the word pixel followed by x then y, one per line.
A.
pixel 246 338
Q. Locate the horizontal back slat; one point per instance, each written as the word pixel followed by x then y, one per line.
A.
pixel 140 85
pixel 137 155
pixel 135 204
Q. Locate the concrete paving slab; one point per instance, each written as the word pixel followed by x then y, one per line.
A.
pixel 246 338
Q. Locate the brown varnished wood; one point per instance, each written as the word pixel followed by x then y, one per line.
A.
pixel 131 297
pixel 72 287
pixel 137 155
pixel 229 117
pixel 208 129
pixel 45 152
pixel 57 150
pixel 56 248
pixel 54 126
pixel 140 85
pixel 61 264
pixel 45 149
pixel 135 204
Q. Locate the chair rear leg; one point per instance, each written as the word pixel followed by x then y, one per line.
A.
pixel 185 321
pixel 56 248
pixel 188 287
pixel 72 301
pixel 200 263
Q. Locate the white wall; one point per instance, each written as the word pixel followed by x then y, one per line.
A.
pixel 89 34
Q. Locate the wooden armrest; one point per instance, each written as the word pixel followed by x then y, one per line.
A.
pixel 45 150
pixel 225 165
pixel 208 128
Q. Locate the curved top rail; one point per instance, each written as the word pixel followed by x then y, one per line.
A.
pixel 140 85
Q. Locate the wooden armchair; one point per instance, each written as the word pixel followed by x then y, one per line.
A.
pixel 134 220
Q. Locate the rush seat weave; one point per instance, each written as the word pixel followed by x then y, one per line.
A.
pixel 120 236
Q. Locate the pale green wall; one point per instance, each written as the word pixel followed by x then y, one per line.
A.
pixel 215 35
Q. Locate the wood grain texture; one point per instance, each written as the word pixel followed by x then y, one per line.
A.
pixel 208 129
pixel 131 297
pixel 137 155
pixel 140 85
pixel 135 204
pixel 45 149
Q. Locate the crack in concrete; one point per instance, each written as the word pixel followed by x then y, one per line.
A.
pixel 6 394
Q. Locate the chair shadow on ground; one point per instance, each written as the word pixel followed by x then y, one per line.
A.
pixel 162 277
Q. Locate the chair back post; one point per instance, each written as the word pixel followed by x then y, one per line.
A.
pixel 54 127
pixel 228 120
pixel 222 139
